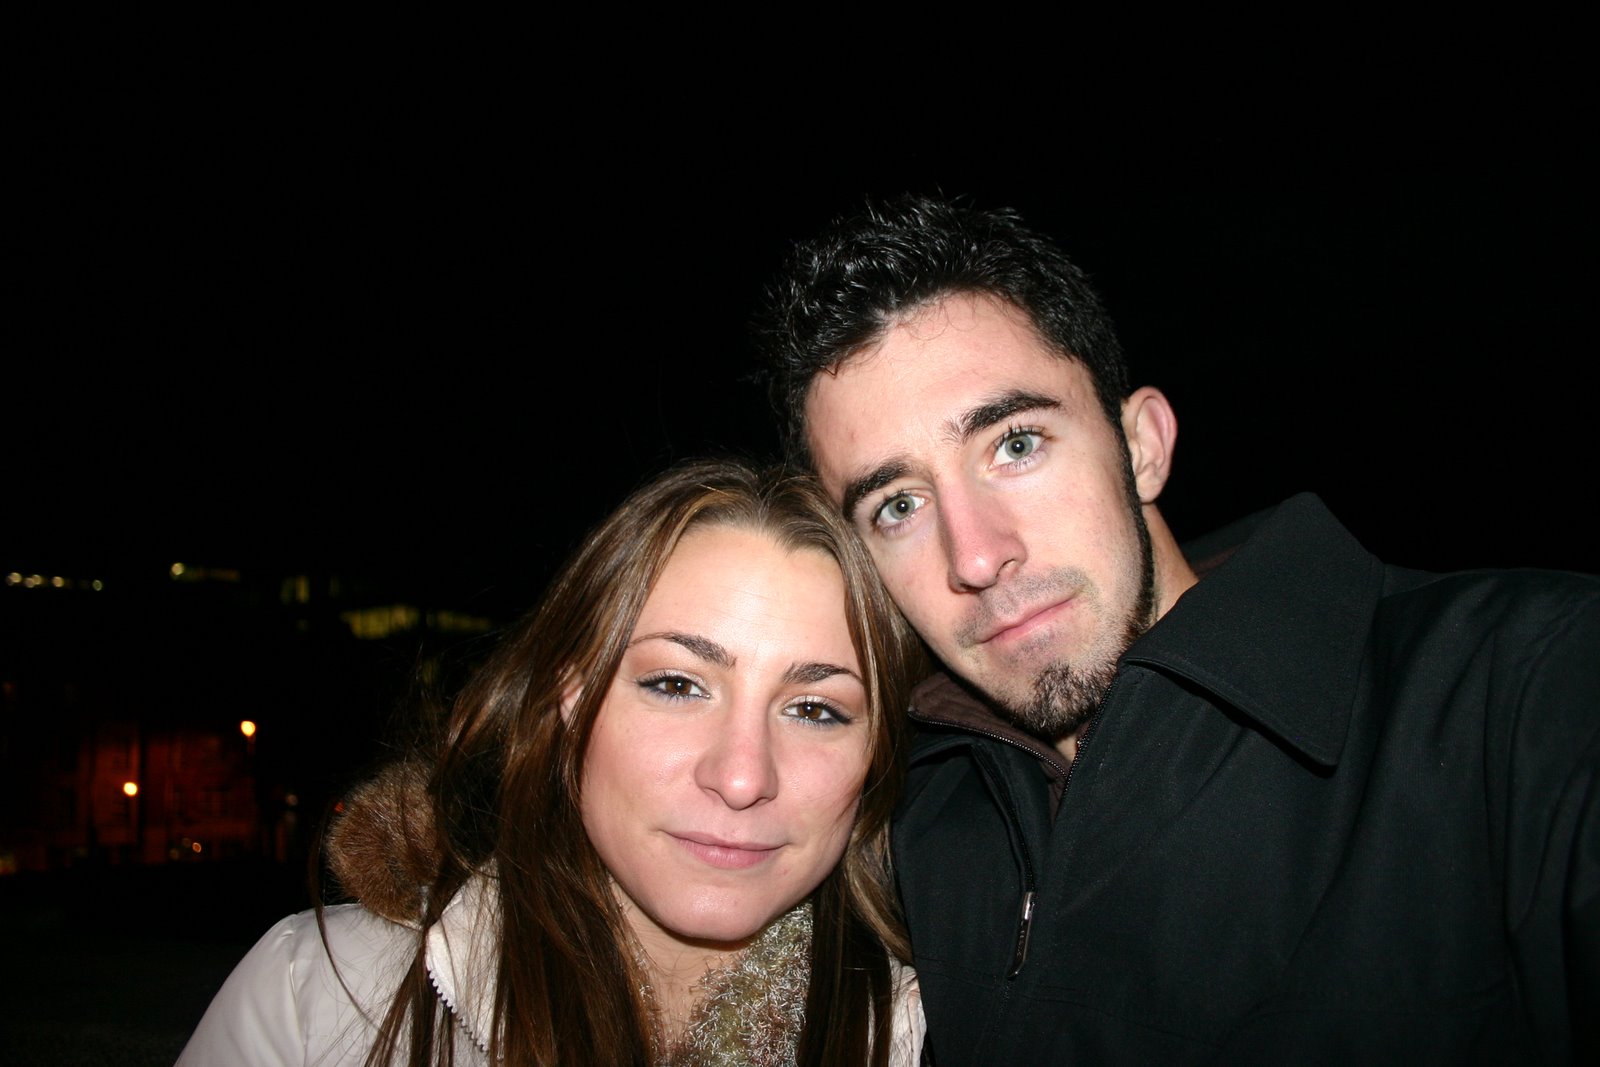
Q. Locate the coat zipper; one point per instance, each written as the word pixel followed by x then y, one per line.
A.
pixel 1019 951
pixel 456 1014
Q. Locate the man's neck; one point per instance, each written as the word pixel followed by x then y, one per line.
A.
pixel 1174 576
pixel 1068 745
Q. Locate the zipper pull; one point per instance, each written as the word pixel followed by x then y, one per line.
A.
pixel 1023 929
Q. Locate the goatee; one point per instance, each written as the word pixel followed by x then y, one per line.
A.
pixel 1067 695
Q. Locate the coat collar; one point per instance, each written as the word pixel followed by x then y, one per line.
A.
pixel 463 956
pixel 1277 631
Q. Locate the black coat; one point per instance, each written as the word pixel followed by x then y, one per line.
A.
pixel 1329 812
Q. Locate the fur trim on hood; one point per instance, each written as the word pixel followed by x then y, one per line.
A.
pixel 382 847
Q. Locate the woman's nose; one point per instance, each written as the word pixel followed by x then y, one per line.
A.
pixel 738 763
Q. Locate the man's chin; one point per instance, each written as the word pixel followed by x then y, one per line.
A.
pixel 1064 698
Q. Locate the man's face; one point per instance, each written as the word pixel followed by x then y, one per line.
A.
pixel 995 497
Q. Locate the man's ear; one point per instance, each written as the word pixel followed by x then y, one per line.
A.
pixel 1151 428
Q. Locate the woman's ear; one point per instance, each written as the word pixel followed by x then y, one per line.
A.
pixel 1152 432
pixel 571 691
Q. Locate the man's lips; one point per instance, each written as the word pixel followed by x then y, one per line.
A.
pixel 723 852
pixel 1020 626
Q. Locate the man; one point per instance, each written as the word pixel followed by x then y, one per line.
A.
pixel 1304 809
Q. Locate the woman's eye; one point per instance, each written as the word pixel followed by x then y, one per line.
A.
pixel 818 712
pixel 897 509
pixel 674 685
pixel 1017 444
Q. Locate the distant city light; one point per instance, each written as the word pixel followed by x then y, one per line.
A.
pixel 247 728
pixel 131 788
pixel 177 570
pixel 195 847
pixel 55 581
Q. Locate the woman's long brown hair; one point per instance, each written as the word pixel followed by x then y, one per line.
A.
pixel 504 797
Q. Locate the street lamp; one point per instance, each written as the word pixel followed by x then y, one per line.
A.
pixel 248 728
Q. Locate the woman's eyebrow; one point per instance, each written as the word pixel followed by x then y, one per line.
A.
pixel 703 647
pixel 809 673
pixel 804 673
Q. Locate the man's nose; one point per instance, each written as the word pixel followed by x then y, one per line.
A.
pixel 980 538
pixel 738 763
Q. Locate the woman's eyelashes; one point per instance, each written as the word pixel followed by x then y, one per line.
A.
pixel 814 711
pixel 674 687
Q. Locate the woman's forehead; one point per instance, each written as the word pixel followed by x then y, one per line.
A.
pixel 744 590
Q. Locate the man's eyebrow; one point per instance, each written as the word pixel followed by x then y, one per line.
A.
pixel 809 673
pixel 998 410
pixel 871 482
pixel 703 647
pixel 960 430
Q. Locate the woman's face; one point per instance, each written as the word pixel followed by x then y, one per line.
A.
pixel 727 760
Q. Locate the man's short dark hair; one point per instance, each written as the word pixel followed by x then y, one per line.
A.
pixel 867 272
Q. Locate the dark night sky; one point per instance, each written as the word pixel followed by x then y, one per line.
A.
pixel 291 297
pixel 420 326
pixel 393 333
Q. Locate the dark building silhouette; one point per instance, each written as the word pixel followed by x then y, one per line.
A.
pixel 198 715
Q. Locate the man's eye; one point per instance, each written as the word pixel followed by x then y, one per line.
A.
pixel 897 508
pixel 1017 444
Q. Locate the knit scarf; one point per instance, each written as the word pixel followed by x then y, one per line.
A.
pixel 750 1010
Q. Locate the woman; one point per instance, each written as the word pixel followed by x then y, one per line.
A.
pixel 654 830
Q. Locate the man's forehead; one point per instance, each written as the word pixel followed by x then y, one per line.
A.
pixel 927 387
pixel 983 339
pixel 948 317
pixel 952 323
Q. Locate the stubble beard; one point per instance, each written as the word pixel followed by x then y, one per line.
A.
pixel 1066 695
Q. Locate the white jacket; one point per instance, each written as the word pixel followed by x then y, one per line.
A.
pixel 284 1005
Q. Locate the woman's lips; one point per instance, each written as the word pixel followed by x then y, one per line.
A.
pixel 728 855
